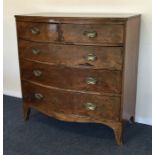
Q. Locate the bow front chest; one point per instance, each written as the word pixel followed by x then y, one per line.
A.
pixel 79 67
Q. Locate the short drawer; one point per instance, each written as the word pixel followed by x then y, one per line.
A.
pixel 103 81
pixel 73 55
pixel 65 102
pixel 92 33
pixel 37 31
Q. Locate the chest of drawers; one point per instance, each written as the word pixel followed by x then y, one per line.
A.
pixel 79 68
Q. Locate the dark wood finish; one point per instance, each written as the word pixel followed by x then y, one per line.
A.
pixel 104 33
pixel 73 79
pixel 106 57
pixel 58 87
pixel 26 111
pixel 46 32
pixel 76 18
pixel 75 103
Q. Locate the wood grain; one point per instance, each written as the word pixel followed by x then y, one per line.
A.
pixel 75 103
pixel 63 47
pixel 105 33
pixel 47 32
pixel 76 18
pixel 106 57
pixel 70 78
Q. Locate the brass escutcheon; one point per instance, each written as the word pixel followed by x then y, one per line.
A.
pixel 90 34
pixel 90 106
pixel 35 51
pixel 37 73
pixel 91 80
pixel 38 96
pixel 91 57
pixel 34 30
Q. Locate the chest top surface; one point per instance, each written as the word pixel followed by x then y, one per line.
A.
pixel 88 15
pixel 54 17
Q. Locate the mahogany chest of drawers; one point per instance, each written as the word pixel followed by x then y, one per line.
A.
pixel 79 68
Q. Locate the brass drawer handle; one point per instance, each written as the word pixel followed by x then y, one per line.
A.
pixel 91 57
pixel 90 34
pixel 35 51
pixel 38 96
pixel 34 30
pixel 90 106
pixel 37 73
pixel 91 80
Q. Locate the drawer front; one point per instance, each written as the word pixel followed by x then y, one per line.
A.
pixel 92 33
pixel 69 78
pixel 37 31
pixel 72 55
pixel 50 100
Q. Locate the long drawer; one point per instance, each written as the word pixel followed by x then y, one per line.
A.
pixel 73 55
pixel 69 78
pixel 51 100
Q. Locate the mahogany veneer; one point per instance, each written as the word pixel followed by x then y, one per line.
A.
pixel 78 67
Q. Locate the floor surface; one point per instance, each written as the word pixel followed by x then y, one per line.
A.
pixel 42 135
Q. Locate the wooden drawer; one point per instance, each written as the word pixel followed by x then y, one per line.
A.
pixel 37 31
pixel 69 78
pixel 72 55
pixel 92 33
pixel 51 100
